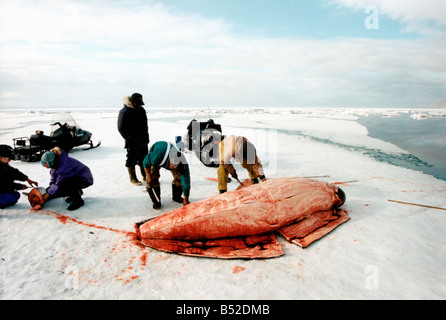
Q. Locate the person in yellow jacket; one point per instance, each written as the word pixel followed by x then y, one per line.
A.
pixel 244 152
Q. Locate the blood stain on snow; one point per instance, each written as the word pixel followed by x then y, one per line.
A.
pixel 238 269
pixel 131 236
pixel 64 219
pixel 162 258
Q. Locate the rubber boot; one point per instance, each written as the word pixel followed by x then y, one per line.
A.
pixel 155 196
pixel 143 173
pixel 70 199
pixel 132 176
pixel 76 200
pixel 176 193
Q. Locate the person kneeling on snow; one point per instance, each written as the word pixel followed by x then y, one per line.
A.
pixel 8 188
pixel 68 177
pixel 243 151
pixel 165 155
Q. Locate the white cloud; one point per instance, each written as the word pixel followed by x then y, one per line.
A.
pixel 55 53
pixel 406 10
pixel 66 20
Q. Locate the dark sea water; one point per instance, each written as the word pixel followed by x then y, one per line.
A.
pixel 424 139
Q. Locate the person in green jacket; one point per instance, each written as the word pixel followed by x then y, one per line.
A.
pixel 165 155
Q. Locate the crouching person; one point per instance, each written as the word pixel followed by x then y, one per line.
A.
pixel 8 175
pixel 244 152
pixel 165 155
pixel 68 177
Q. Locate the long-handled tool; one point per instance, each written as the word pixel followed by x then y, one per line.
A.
pixel 418 205
pixel 244 184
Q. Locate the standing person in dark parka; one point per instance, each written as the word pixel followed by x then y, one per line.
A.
pixel 132 125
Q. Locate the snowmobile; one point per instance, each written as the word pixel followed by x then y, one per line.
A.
pixel 65 134
pixel 203 138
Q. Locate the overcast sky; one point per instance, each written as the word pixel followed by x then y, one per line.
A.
pixel 223 53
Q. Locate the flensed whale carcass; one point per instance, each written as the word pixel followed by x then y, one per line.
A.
pixel 241 223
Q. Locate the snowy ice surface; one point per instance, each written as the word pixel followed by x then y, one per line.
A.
pixel 386 251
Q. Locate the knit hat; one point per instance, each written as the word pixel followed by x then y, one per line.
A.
pixel 6 151
pixel 48 159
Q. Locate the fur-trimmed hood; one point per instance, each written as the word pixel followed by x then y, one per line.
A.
pixel 128 102
pixel 132 125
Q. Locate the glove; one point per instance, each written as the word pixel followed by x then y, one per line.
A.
pixel 37 197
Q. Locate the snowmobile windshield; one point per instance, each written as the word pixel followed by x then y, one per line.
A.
pixel 63 118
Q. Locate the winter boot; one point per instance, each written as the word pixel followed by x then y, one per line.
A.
pixel 70 199
pixel 176 193
pixel 155 196
pixel 132 176
pixel 143 173
pixel 76 200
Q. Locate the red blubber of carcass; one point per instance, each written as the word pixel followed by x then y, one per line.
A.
pixel 242 223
